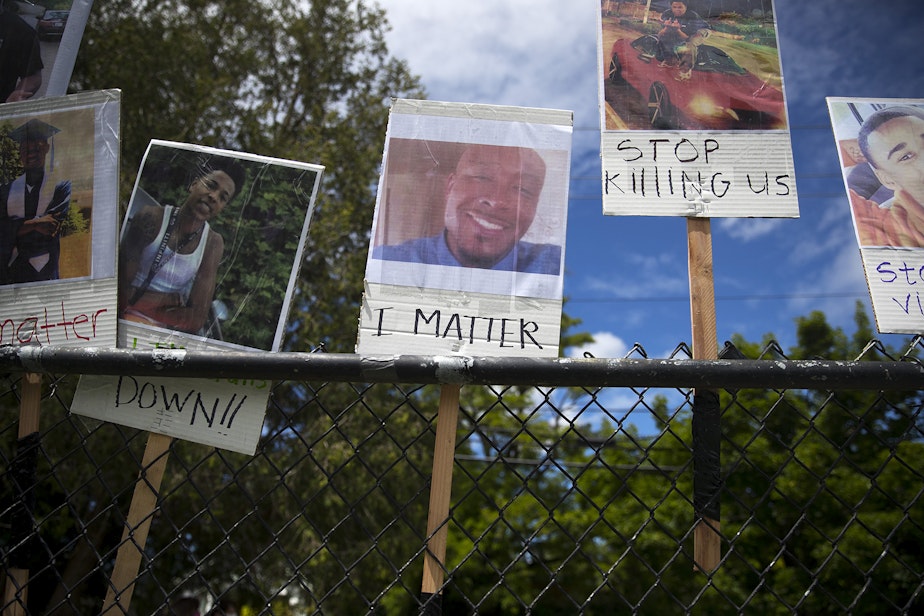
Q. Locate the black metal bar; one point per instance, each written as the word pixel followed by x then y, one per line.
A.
pixel 594 372
pixel 707 463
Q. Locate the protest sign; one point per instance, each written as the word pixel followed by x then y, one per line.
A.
pixel 694 124
pixel 59 191
pixel 210 248
pixel 209 256
pixel 693 113
pixel 880 143
pixel 224 413
pixel 208 259
pixel 467 251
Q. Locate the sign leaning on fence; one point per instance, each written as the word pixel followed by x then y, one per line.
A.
pixel 208 259
pixel 59 189
pixel 880 143
pixel 693 113
pixel 468 241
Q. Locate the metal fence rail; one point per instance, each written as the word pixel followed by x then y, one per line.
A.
pixel 577 487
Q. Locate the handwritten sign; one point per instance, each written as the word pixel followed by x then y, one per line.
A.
pixel 693 113
pixel 217 412
pixel 657 174
pixel 896 284
pixel 875 140
pixel 67 323
pixel 57 254
pixel 467 249
pixel 437 323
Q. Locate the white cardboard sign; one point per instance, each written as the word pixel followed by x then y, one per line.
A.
pixel 880 144
pixel 253 212
pixel 225 413
pixel 57 266
pixel 693 114
pixel 467 250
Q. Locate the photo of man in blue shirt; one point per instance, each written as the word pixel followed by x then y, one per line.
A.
pixel 490 203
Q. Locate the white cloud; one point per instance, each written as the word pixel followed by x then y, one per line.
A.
pixel 535 53
pixel 747 229
pixel 605 344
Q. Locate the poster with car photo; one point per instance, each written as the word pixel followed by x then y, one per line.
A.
pixel 210 247
pixel 688 88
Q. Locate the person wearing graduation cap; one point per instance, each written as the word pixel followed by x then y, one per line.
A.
pixel 20 57
pixel 31 211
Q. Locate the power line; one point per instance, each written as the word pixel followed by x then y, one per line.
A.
pixel 733 298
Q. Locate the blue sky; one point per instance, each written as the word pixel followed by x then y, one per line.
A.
pixel 627 277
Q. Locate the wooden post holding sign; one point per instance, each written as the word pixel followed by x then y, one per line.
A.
pixel 84 130
pixel 503 297
pixel 440 491
pixel 215 412
pixel 707 484
pixel 15 594
pixel 137 525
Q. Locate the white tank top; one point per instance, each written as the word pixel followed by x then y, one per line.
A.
pixel 178 271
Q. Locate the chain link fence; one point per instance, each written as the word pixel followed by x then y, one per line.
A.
pixel 578 488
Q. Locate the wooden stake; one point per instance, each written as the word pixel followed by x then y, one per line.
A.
pixel 138 523
pixel 13 605
pixel 17 579
pixel 707 542
pixel 702 289
pixel 440 490
pixel 30 404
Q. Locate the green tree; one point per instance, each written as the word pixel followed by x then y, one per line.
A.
pixel 10 157
pixel 821 493
pixel 293 80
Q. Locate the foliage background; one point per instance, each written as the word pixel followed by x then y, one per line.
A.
pixel 558 505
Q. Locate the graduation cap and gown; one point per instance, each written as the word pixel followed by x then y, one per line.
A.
pixel 31 256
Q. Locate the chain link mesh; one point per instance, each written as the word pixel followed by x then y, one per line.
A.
pixel 565 500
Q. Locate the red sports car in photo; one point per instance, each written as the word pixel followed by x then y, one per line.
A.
pixel 716 94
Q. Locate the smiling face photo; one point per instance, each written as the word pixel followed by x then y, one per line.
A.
pixel 209 247
pixel 473 206
pixel 491 201
pixel 896 149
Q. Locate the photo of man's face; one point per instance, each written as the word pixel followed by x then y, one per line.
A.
pixel 897 149
pixel 491 201
pixel 33 153
pixel 209 194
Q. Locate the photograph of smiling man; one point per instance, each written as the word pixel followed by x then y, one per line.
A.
pixel 468 240
pixel 488 205
pixel 472 216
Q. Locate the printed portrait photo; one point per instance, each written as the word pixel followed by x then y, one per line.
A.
pixel 209 246
pixel 472 209
pixel 881 148
pixel 47 196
